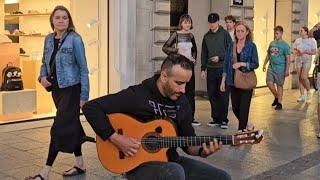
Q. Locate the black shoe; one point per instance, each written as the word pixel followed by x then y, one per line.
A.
pixel 275 102
pixel 213 124
pixel 224 125
pixel 278 107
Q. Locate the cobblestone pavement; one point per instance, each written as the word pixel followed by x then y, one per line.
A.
pixel 290 149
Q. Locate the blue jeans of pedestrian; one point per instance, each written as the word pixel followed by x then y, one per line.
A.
pixel 219 100
pixel 187 168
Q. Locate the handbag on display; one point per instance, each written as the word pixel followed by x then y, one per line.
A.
pixel 243 80
pixel 11 78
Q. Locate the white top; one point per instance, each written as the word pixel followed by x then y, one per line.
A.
pixel 232 35
pixel 187 46
pixel 305 45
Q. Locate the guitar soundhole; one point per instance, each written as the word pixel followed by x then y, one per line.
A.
pixel 151 144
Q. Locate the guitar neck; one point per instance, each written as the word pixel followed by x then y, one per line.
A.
pixel 167 142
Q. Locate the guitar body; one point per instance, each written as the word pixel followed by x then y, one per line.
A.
pixel 115 161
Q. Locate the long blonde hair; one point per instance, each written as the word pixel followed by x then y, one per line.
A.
pixel 249 35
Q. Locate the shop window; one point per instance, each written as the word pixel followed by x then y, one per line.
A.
pixel 177 8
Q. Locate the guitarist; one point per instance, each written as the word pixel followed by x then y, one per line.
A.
pixel 161 96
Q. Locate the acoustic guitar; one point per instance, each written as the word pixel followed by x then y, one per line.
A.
pixel 156 137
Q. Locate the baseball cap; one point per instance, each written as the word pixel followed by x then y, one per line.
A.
pixel 213 17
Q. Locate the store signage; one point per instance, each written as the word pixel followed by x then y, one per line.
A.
pixel 238 2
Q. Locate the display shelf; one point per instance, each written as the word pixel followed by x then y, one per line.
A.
pixel 29 14
pixel 25 35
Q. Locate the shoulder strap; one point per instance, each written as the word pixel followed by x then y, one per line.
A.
pixel 59 46
pixel 235 59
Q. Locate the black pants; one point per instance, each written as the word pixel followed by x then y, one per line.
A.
pixel 219 100
pixel 66 132
pixel 241 100
pixel 190 92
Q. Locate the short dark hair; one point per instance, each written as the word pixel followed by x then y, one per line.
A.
pixel 185 17
pixel 62 8
pixel 305 28
pixel 278 28
pixel 230 17
pixel 176 59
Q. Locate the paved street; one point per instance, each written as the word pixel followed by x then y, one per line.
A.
pixel 290 149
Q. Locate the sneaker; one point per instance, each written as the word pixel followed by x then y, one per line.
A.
pixel 278 106
pixel 318 135
pixel 224 125
pixel 212 124
pixel 275 102
pixel 308 97
pixel 196 123
pixel 300 99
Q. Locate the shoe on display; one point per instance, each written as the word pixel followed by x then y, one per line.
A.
pixel 300 99
pixel 278 106
pixel 275 101
pixel 212 124
pixel 224 125
pixel 16 12
pixel 195 123
pixel 33 12
pixel 22 51
pixel 308 97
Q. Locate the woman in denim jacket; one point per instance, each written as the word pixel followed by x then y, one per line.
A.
pixel 247 61
pixel 64 72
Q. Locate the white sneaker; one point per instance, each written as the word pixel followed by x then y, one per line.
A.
pixel 300 99
pixel 318 135
pixel 308 97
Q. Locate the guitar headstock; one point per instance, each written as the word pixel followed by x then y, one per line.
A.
pixel 248 137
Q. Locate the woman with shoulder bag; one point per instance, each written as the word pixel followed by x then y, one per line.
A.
pixel 64 72
pixel 238 73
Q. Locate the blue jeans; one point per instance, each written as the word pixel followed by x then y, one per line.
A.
pixel 219 101
pixel 187 168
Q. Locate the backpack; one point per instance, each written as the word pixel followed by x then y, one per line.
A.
pixel 11 78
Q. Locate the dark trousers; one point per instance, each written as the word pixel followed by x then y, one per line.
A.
pixel 219 101
pixel 241 100
pixel 66 132
pixel 190 92
pixel 186 169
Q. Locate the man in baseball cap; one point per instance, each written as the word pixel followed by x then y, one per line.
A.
pixel 214 47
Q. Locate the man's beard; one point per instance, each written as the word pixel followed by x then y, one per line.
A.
pixel 168 91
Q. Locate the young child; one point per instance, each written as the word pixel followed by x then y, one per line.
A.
pixel 182 42
pixel 279 56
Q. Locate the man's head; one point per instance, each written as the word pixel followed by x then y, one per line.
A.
pixel 213 19
pixel 278 31
pixel 176 71
pixel 230 22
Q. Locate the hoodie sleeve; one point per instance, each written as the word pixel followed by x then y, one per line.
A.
pixel 96 110
pixel 204 55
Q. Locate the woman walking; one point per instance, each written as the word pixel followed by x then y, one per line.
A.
pixel 64 72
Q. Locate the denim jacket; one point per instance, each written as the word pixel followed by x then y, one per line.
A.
pixel 71 63
pixel 248 55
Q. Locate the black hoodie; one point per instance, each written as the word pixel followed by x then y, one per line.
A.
pixel 144 102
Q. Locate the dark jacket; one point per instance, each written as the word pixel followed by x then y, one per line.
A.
pixel 144 102
pixel 214 44
pixel 249 55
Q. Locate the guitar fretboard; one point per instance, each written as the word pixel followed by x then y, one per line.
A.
pixel 167 142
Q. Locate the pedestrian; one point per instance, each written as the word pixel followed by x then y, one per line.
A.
pixel 64 72
pixel 159 97
pixel 214 48
pixel 303 49
pixel 247 61
pixel 230 23
pixel 183 43
pixel 279 56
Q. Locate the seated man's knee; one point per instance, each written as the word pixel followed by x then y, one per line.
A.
pixel 174 171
